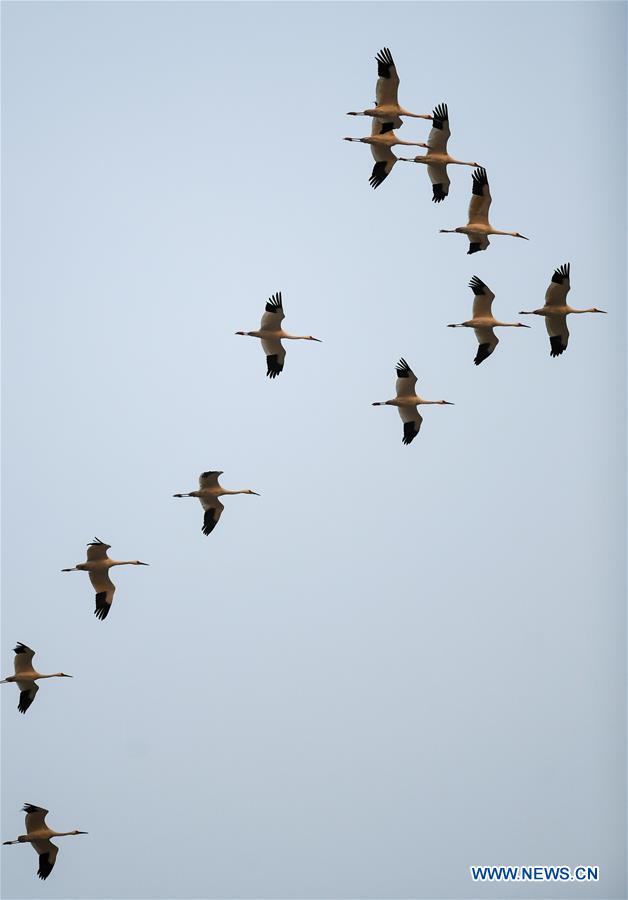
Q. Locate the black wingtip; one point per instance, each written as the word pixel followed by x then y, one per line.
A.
pixel 379 174
pixel 480 180
pixel 477 285
pixel 273 366
pixel 438 193
pixel 561 274
pixel 384 62
pixel 102 607
pixel 45 866
pixel 440 114
pixel 484 351
pixel 274 303
pixel 474 248
pixel 403 369
pixel 557 346
pixel 409 433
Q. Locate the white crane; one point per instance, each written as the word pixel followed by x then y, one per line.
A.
pixel 272 334
pixel 407 401
pixel 26 676
pixel 483 321
pixel 98 565
pixel 209 490
pixel 38 836
pixel 556 310
pixel 437 158
pixel 381 140
pixel 386 102
pixel 478 227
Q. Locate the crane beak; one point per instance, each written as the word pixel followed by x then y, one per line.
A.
pixel 523 237
pixel 256 494
pixel 141 564
pixel 448 403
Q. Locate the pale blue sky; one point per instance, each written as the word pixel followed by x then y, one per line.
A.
pixel 398 661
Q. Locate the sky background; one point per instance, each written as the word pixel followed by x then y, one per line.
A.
pixel 398 661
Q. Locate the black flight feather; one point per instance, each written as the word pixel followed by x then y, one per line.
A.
pixel 273 366
pixel 476 285
pixel 480 179
pixel 45 866
pixel 209 521
pixel 24 702
pixel 410 431
pixel 102 607
pixel 557 346
pixel 484 350
pixel 403 369
pixel 439 115
pixel 384 63
pixel 378 174
pixel 561 274
pixel 274 304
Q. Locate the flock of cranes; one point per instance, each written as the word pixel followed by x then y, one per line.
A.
pixel 387 115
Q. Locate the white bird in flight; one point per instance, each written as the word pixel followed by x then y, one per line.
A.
pixel 26 676
pixel 98 565
pixel 556 310
pixel 209 490
pixel 478 227
pixel 407 402
pixel 272 334
pixel 381 140
pixel 437 158
pixel 483 321
pixel 38 836
pixel 386 101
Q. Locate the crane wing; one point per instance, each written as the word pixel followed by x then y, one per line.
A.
pixel 412 419
pixel 477 241
pixel 35 817
pixel 387 79
pixel 273 314
pixel 480 198
pixel 47 857
pixel 440 181
pixel 97 549
pixel 406 379
pixel 381 126
pixel 439 133
pixel 483 299
pixel 209 479
pixel 487 340
pixel 23 659
pixel 558 334
pixel 105 589
pixel 275 356
pixel 556 294
pixel 385 159
pixel 28 690
pixel 213 511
